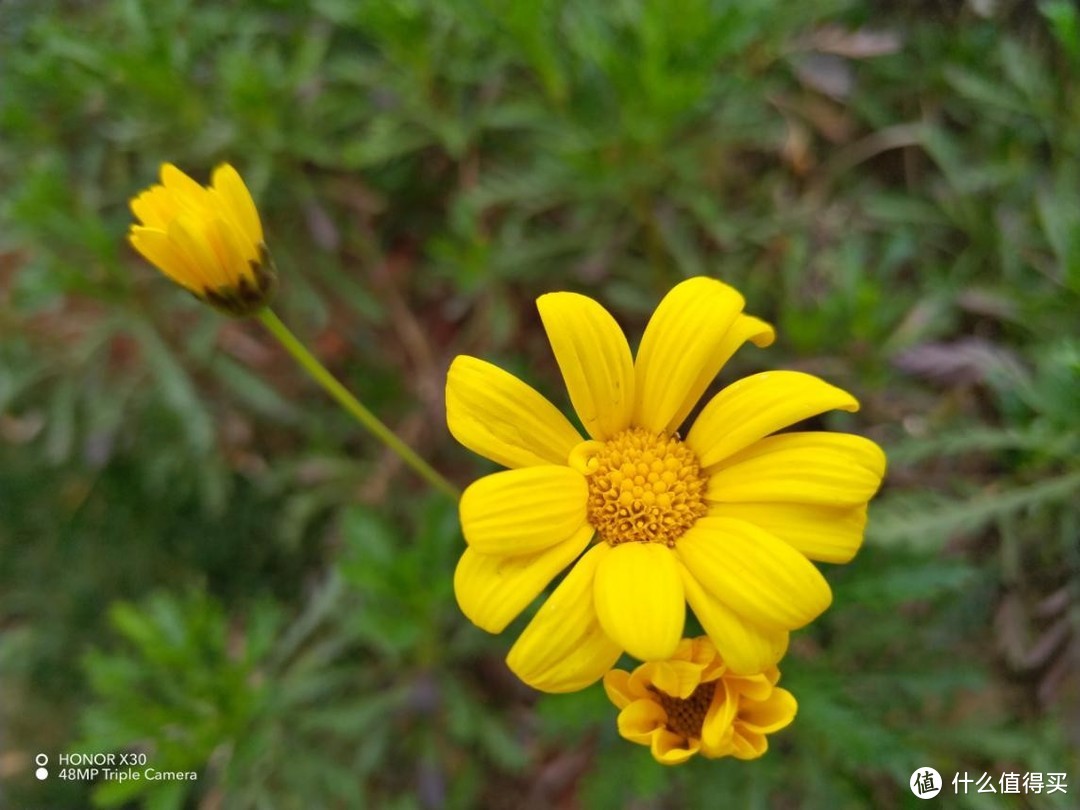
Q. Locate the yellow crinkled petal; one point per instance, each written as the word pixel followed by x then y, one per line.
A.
pixel 617 687
pixel 495 414
pixel 669 748
pixel 640 681
pixel 158 249
pixel 716 730
pixel 493 589
pixel 757 575
pixel 702 652
pixel 522 511
pixel 824 533
pixel 680 351
pixel 745 647
pixel 751 687
pixel 756 406
pixel 563 649
pixel 594 358
pixel 769 715
pixel 640 600
pixel 694 650
pixel 747 743
pixel 640 719
pixel 831 469
pixel 677 678
pixel 226 182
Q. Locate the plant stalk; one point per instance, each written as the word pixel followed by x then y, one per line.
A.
pixel 351 404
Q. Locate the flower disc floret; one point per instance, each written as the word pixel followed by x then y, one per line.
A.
pixel 643 487
pixel 686 716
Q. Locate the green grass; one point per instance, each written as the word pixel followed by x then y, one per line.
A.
pixel 205 561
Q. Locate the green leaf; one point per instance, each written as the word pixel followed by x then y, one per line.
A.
pixel 1065 23
pixel 926 522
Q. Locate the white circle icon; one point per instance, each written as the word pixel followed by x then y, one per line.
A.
pixel 41 773
pixel 925 783
pixel 42 759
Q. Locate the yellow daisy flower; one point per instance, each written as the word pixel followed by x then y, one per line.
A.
pixel 208 240
pixel 725 518
pixel 693 704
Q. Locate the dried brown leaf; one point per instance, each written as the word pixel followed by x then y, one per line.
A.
pixel 964 361
pixel 862 43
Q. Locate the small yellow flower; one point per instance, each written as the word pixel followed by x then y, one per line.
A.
pixel 692 704
pixel 208 240
pixel 725 518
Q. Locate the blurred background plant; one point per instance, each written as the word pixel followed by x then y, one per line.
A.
pixel 204 561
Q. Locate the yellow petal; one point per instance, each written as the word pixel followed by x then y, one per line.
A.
pixel 187 195
pixel 639 684
pixel 756 406
pixel 716 730
pixel 495 414
pixel 594 359
pixel 769 715
pixel 669 748
pixel 677 678
pixel 522 511
pixel 745 647
pixel 757 575
pixel 705 654
pixel 747 743
pixel 154 207
pixel 186 232
pixel 492 590
pixel 694 650
pixel 230 252
pixel 640 719
pixel 563 648
pixel 680 351
pixel 751 687
pixel 747 327
pixel 158 249
pixel 831 469
pixel 640 601
pixel 226 182
pixel 617 687
pixel 825 533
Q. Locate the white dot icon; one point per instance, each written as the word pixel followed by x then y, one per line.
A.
pixel 925 782
pixel 41 773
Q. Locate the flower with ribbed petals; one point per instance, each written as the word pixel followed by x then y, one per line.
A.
pixel 209 240
pixel 726 519
pixel 692 703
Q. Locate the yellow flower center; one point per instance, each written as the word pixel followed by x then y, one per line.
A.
pixel 643 487
pixel 686 716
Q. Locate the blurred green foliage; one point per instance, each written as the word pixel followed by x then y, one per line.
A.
pixel 204 561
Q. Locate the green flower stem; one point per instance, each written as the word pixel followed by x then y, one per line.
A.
pixel 351 404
